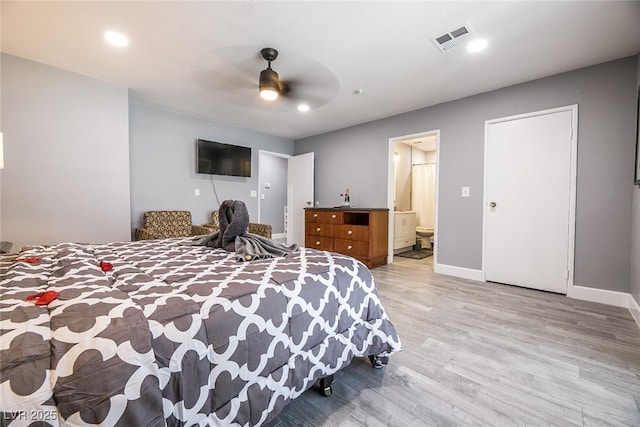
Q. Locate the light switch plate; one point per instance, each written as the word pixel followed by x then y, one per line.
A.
pixel 466 191
pixel 253 193
pixel 196 192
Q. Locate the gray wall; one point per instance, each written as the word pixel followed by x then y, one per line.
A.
pixel 635 235
pixel 273 171
pixel 163 163
pixel 606 97
pixel 66 146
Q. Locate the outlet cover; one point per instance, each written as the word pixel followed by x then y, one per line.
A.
pixel 466 191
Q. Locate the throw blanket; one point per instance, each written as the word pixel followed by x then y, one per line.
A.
pixel 233 237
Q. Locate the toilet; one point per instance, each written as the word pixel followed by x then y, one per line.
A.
pixel 425 234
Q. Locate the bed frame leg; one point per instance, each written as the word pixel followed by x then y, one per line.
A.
pixel 325 385
pixel 379 361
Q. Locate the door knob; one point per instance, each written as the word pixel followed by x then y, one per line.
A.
pixel 492 204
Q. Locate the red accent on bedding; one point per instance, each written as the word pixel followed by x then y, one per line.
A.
pixel 43 298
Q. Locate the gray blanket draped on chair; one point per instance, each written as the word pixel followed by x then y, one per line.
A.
pixel 232 235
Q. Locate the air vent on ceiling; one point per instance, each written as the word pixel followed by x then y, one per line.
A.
pixel 453 38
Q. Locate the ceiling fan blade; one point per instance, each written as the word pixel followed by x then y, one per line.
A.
pixel 229 72
pixel 314 93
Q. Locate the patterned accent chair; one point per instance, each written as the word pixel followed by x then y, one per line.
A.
pixel 168 224
pixel 263 230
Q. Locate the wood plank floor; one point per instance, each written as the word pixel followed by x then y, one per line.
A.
pixel 477 354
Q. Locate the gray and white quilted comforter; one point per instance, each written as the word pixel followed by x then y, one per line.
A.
pixel 156 333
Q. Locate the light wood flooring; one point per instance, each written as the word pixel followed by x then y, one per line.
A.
pixel 484 354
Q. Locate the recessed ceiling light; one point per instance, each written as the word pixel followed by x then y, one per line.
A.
pixel 116 39
pixel 303 108
pixel 477 45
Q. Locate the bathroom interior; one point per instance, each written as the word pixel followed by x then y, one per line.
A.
pixel 415 162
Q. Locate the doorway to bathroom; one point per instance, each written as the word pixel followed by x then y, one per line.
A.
pixel 413 188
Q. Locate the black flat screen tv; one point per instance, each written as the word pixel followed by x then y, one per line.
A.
pixel 216 158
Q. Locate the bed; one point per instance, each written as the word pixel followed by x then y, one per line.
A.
pixel 165 332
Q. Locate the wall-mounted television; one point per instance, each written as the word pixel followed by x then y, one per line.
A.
pixel 217 158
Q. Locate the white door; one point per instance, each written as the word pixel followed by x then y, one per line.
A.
pixel 529 199
pixel 299 195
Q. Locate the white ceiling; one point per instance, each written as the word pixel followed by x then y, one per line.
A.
pixel 203 57
pixel 423 142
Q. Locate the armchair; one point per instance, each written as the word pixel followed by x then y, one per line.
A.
pixel 263 230
pixel 168 224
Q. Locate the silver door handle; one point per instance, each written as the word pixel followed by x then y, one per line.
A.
pixel 492 204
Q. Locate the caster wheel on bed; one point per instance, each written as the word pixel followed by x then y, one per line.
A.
pixel 379 361
pixel 327 391
pixel 325 385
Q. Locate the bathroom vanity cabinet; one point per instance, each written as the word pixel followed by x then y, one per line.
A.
pixel 404 230
pixel 360 233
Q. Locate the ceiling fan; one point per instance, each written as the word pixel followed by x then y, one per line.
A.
pixel 230 73
pixel 270 85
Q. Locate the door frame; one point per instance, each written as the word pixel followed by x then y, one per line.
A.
pixel 391 189
pixel 573 162
pixel 261 184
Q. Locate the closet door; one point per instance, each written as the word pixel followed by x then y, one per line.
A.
pixel 529 200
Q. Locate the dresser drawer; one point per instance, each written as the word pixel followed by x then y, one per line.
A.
pixel 319 229
pixel 354 248
pixel 319 242
pixel 352 232
pixel 325 217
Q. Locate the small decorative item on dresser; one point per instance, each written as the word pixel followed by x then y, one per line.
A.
pixel 347 199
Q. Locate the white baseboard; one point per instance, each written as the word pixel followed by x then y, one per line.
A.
pixel 619 299
pixel 462 272
pixel 634 309
pixel 279 236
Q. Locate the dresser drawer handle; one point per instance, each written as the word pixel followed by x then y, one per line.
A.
pixel 333 216
pixel 349 232
pixel 315 215
pixel 349 247
pixel 318 229
pixel 317 243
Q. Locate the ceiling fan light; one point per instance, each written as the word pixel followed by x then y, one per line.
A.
pixel 269 85
pixel 269 94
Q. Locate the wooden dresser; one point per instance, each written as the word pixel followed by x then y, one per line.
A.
pixel 360 233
